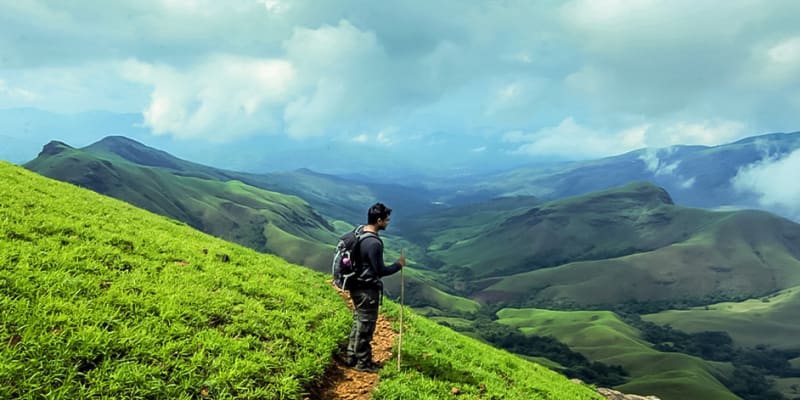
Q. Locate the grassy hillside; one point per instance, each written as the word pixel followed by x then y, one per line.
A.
pixel 602 336
pixel 259 219
pixel 101 299
pixel 631 219
pixel 740 255
pixel 629 244
pixel 746 322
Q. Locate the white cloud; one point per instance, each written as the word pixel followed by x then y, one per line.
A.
pixel 275 6
pixel 774 182
pixel 778 63
pixel 17 93
pixel 571 140
pixel 339 71
pixel 221 99
pixel 707 133
pixel 384 137
pixel 588 80
pixel 480 149
pixel 656 161
pixel 362 138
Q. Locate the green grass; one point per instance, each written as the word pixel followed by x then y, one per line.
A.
pixel 202 197
pixel 771 320
pixel 101 299
pixel 602 336
pixel 436 360
pixel 789 387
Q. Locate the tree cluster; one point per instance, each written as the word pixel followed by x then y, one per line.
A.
pixel 752 365
pixel 575 364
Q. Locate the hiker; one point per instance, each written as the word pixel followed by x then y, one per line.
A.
pixel 366 289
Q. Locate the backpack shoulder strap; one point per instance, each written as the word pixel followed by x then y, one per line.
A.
pixel 361 235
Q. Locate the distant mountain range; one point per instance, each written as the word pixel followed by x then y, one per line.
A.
pixel 695 176
pixel 409 159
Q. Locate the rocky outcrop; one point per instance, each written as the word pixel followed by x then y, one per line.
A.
pixel 612 394
pixel 53 148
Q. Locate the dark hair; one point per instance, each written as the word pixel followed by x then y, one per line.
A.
pixel 378 211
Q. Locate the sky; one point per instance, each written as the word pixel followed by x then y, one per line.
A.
pixel 541 79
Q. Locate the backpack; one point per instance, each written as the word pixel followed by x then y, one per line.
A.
pixel 345 266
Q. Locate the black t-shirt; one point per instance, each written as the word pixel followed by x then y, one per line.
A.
pixel 371 258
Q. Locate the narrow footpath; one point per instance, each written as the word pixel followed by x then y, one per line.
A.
pixel 344 383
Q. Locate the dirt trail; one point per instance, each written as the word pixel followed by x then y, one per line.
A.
pixel 344 383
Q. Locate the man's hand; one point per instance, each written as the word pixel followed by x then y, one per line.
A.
pixel 402 259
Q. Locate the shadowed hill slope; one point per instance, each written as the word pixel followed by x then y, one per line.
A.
pixel 335 197
pixel 203 197
pixel 629 244
pixel 101 299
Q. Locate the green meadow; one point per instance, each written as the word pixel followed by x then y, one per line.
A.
pixel 602 336
pixel 770 320
pixel 100 299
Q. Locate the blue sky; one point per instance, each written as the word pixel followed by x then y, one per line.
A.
pixel 538 79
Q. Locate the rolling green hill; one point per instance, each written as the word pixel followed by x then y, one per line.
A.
pixel 203 197
pixel 102 299
pixel 771 320
pixel 629 244
pixel 739 255
pixel 602 336
pixel 335 197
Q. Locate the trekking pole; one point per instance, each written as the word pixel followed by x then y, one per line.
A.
pixel 402 302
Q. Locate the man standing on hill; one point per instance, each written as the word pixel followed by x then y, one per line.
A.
pixel 367 288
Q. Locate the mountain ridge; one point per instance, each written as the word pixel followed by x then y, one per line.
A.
pixel 203 198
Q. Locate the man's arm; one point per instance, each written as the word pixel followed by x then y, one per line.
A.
pixel 375 254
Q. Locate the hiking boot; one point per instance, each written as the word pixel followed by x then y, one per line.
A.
pixel 368 366
pixel 350 362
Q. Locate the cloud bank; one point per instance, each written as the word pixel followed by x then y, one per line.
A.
pixel 580 78
pixel 774 182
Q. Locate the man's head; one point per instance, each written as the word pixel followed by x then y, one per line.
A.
pixel 379 216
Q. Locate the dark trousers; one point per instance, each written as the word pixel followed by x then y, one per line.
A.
pixel 365 315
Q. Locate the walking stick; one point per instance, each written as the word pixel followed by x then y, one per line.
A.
pixel 402 302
